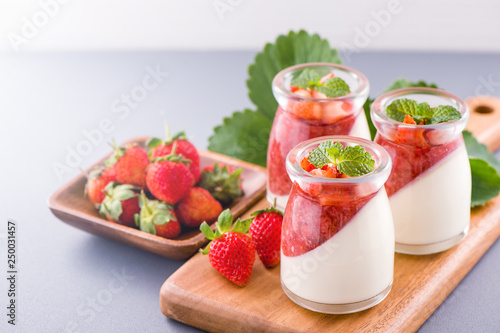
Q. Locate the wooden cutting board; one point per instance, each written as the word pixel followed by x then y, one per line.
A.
pixel 199 296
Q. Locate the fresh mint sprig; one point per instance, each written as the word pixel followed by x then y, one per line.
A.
pixel 353 161
pixel 421 112
pixel 333 87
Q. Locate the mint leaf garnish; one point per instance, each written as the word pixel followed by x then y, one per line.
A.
pixel 306 78
pixel 353 161
pixel 421 112
pixel 444 113
pixel 334 87
pixel 310 79
pixel 327 152
pixel 399 108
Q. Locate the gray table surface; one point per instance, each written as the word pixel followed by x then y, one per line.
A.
pixel 48 101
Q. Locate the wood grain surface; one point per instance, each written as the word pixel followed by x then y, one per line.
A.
pixel 70 205
pixel 199 296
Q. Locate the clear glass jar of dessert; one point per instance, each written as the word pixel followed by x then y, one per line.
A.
pixel 337 245
pixel 305 114
pixel 430 184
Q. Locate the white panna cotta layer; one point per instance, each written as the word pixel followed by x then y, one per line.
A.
pixel 355 264
pixel 435 206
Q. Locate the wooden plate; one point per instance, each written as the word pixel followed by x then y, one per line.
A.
pixel 70 205
pixel 421 283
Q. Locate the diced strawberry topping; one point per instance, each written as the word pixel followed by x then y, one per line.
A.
pixel 409 120
pixel 306 165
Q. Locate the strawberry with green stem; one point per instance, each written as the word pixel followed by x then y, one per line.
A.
pixel 96 182
pixel 168 177
pixel 159 148
pixel 120 204
pixel 222 182
pixel 157 218
pixel 129 164
pixel 231 251
pixel 265 230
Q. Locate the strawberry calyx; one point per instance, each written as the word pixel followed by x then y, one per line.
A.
pixel 116 193
pixel 118 152
pixel 222 183
pixel 271 209
pixel 224 225
pixel 155 142
pixel 153 212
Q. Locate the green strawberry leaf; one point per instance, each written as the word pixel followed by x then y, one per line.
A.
pixel 355 161
pixel 293 49
pixel 443 113
pixel 244 136
pixel 334 87
pixel 306 78
pixel 366 109
pixel 402 83
pixel 485 171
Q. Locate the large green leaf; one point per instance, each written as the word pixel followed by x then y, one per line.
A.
pixel 485 170
pixel 294 49
pixel 244 135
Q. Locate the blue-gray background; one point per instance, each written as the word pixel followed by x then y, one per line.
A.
pixel 48 101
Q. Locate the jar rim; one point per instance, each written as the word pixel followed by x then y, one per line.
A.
pixel 378 113
pixel 279 88
pixel 383 162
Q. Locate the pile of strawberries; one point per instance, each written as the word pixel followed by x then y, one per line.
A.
pixel 232 248
pixel 164 190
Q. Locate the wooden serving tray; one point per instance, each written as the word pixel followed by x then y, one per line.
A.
pixel 70 205
pixel 199 296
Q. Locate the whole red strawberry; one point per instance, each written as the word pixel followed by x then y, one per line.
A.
pixel 157 218
pixel 168 178
pixel 266 235
pixel 120 204
pixel 222 181
pixel 129 164
pixel 97 181
pixel 183 147
pixel 231 251
pixel 198 206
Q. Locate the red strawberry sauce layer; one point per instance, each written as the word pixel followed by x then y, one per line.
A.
pixel 312 220
pixel 288 131
pixel 409 162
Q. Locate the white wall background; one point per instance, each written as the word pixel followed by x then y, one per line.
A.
pixel 425 25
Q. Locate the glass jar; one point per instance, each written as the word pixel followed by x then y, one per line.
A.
pixel 301 118
pixel 430 184
pixel 337 243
